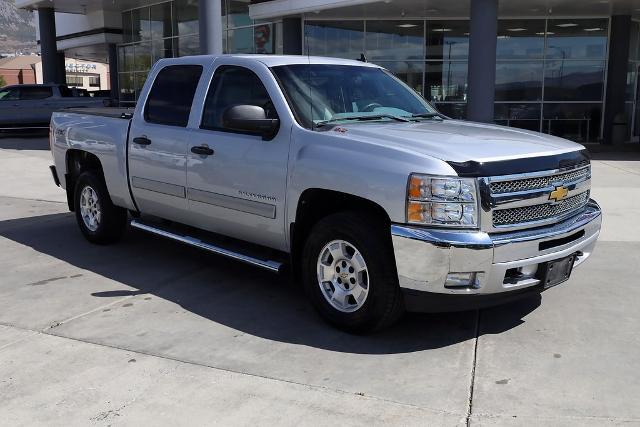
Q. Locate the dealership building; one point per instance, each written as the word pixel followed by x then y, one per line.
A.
pixel 564 67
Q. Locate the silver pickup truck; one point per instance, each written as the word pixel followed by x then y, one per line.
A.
pixel 338 169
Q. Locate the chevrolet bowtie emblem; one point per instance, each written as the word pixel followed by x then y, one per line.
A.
pixel 559 193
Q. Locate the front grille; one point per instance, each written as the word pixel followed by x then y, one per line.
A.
pixel 526 184
pixel 525 214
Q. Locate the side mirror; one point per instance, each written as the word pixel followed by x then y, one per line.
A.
pixel 252 119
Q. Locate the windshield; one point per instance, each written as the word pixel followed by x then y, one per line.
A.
pixel 322 93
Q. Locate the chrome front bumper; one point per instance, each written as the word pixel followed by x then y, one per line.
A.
pixel 424 257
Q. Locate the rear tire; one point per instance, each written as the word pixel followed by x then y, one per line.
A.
pixel 349 273
pixel 99 219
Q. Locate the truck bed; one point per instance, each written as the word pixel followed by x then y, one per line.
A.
pixel 112 112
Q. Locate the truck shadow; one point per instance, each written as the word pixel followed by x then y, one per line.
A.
pixel 244 298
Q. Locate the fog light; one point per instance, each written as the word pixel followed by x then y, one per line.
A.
pixel 460 280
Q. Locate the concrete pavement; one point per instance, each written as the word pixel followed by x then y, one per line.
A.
pixel 150 330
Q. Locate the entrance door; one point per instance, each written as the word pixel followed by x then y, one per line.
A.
pixel 159 142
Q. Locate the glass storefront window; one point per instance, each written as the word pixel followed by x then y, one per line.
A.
pixel 264 38
pixel 144 23
pixel 520 39
pixel 188 45
pixel 342 39
pixel 127 27
pixel 394 40
pixel 519 81
pixel 185 14
pixel 240 40
pixel 577 38
pixel 577 122
pixel 453 110
pixel 143 58
pixel 126 58
pixel 574 80
pixel 160 21
pixel 523 116
pixel 127 91
pixel 446 81
pixel 238 13
pixel 139 80
pixel 409 72
pixel 447 40
pixel 162 49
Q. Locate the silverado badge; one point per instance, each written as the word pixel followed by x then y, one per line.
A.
pixel 559 193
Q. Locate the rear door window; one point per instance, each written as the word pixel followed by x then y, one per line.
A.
pixel 36 92
pixel 169 101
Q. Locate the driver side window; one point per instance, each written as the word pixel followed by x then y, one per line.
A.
pixel 233 85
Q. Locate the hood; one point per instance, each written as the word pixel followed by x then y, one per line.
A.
pixel 458 141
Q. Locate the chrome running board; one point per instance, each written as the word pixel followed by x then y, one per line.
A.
pixel 270 265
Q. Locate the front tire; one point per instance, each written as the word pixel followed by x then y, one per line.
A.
pixel 349 273
pixel 99 219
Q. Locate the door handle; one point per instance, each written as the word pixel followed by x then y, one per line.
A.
pixel 141 140
pixel 202 150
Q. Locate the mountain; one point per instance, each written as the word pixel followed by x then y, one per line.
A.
pixel 17 29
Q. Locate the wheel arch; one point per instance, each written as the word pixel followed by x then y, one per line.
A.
pixel 317 203
pixel 76 162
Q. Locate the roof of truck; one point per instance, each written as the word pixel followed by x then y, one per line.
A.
pixel 275 60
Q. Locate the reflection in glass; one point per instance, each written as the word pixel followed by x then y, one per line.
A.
pixel 574 80
pixel 447 40
pixel 240 40
pixel 188 45
pixel 519 81
pixel 634 43
pixel 143 25
pixel 126 58
pixel 446 81
pixel 238 13
pixel 143 59
pixel 523 116
pixel 394 40
pixel 139 80
pixel 185 14
pixel 577 122
pixel 127 27
pixel 520 39
pixel 160 21
pixel 409 72
pixel 455 111
pixel 127 91
pixel 162 49
pixel 577 38
pixel 342 39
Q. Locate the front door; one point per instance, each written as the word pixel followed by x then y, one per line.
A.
pixel 236 181
pixel 158 143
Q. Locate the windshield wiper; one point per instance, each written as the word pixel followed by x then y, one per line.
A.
pixel 363 118
pixel 426 116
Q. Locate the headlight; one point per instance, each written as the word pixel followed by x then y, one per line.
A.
pixel 442 201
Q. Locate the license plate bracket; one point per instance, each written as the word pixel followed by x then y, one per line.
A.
pixel 554 272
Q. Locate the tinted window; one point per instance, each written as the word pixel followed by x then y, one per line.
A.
pixel 35 92
pixel 234 86
pixel 171 95
pixel 9 94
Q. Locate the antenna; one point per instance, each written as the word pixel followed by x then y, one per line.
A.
pixel 362 58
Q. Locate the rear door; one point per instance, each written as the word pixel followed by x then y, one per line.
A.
pixel 239 188
pixel 159 140
pixel 25 106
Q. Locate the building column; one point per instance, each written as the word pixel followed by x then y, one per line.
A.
pixel 292 36
pixel 483 35
pixel 616 75
pixel 210 22
pixel 48 48
pixel 113 71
